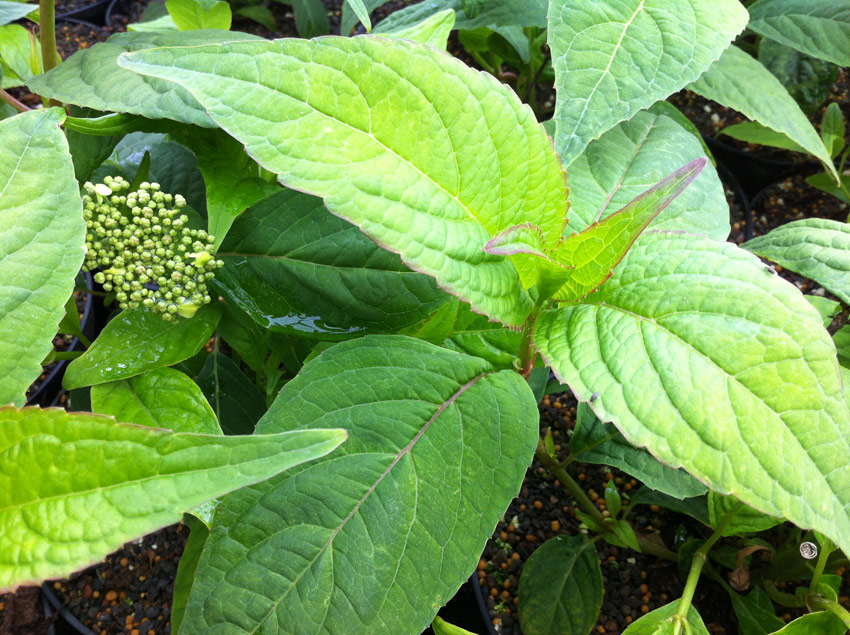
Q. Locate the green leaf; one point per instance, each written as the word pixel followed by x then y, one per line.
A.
pixel 738 81
pixel 136 341
pixel 438 326
pixel 11 11
pixel 833 130
pixel 88 151
pixel 826 183
pixel 438 446
pixel 161 398
pixel 361 11
pixel 755 613
pixel 185 578
pixel 493 14
pixel 260 14
pixel 822 623
pixel 560 590
pixel 486 166
pixel 754 132
pixel 236 401
pixel 349 18
pixel 601 443
pixel 190 15
pixel 311 18
pixel 827 308
pixel 91 77
pixel 163 23
pixel 251 342
pixel 820 28
pixel 296 268
pixel 477 336
pixel 632 157
pixel 841 338
pixel 526 247
pixel 746 520
pixel 817 248
pixel 700 354
pixel 77 486
pixel 42 233
pixel 807 79
pixel 595 251
pixel 15 55
pixel 669 110
pixel 434 30
pixel 613 58
pixel 660 622
pixel 441 627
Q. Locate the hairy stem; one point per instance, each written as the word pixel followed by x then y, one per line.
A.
pixel 47 21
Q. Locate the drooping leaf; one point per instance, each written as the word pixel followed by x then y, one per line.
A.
pixel 754 132
pixel 807 79
pixel 755 613
pixel 438 445
pixel 433 30
pixel 595 251
pixel 161 398
pixel 136 341
pixel 493 14
pixel 746 519
pixel 191 15
pixel 459 158
pixel 698 353
pixel 631 158
pixel 820 28
pixel 11 11
pixel 597 442
pixel 92 78
pixel 660 622
pixel 297 269
pixel 236 401
pixel 560 590
pixel 613 58
pixel 311 18
pixel 42 233
pixel 185 577
pixel 77 486
pixel 741 82
pixel 817 248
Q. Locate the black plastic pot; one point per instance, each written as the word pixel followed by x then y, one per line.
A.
pixel 96 14
pixel 66 623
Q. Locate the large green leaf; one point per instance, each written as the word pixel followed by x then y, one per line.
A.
pixel 817 248
pixel 741 82
pixel 560 591
pixel 161 398
pixel 298 269
pixel 92 78
pixel 429 157
pixel 494 13
pixel 190 15
pixel 42 233
pixel 660 622
pixel 613 58
pixel 381 534
pixel 434 30
pixel 597 442
pixel 699 353
pixel 136 341
pixel 628 160
pixel 74 487
pixel 820 28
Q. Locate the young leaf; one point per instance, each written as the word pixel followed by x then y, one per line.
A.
pixel 820 28
pixel 754 132
pixel 560 590
pixel 741 82
pixel 438 445
pixel 633 156
pixel 595 252
pixel 236 401
pixel 42 233
pixel 746 519
pixel 161 398
pixel 92 78
pixel 75 487
pixel 191 15
pixel 137 341
pixel 613 58
pixel 817 248
pixel 362 13
pixel 525 245
pixel 433 176
pixel 660 622
pixel 833 129
pixel 433 30
pixel 700 354
pixel 296 268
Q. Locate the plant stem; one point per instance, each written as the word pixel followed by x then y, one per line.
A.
pixel 527 352
pixel 823 556
pixel 14 103
pixel 57 356
pixel 697 563
pixel 83 339
pixel 781 598
pixel 47 21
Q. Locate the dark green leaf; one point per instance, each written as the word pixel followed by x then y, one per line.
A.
pixel 198 533
pixel 696 507
pixel 236 401
pixel 807 78
pixel 755 613
pixel 311 18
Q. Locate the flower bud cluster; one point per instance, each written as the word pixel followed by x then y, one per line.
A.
pixel 144 249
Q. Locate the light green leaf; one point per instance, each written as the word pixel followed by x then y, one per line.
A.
pixel 11 11
pixel 613 58
pixel 161 398
pixel 493 14
pixel 191 15
pixel 157 25
pixel 833 129
pixel 601 443
pixel 349 18
pixel 434 30
pixel 525 246
pixel 75 487
pixel 822 623
pixel 238 404
pixel 817 248
pixel 827 308
pixel 439 444
pixel 441 627
pixel 807 79
pixel 826 183
pixel 437 326
pixel 595 252
pixel 198 533
pixel 311 18
pixel 755 613
pixel 820 28
pixel 700 354
pixel 746 519
pixel 361 12
pixel 42 233
pixel 660 622
pixel 15 55
pixel 477 336
pixel 632 157
pixel 738 81
pixel 433 176
pixel 560 590
pixel 136 341
pixel 92 78
pixel 754 132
